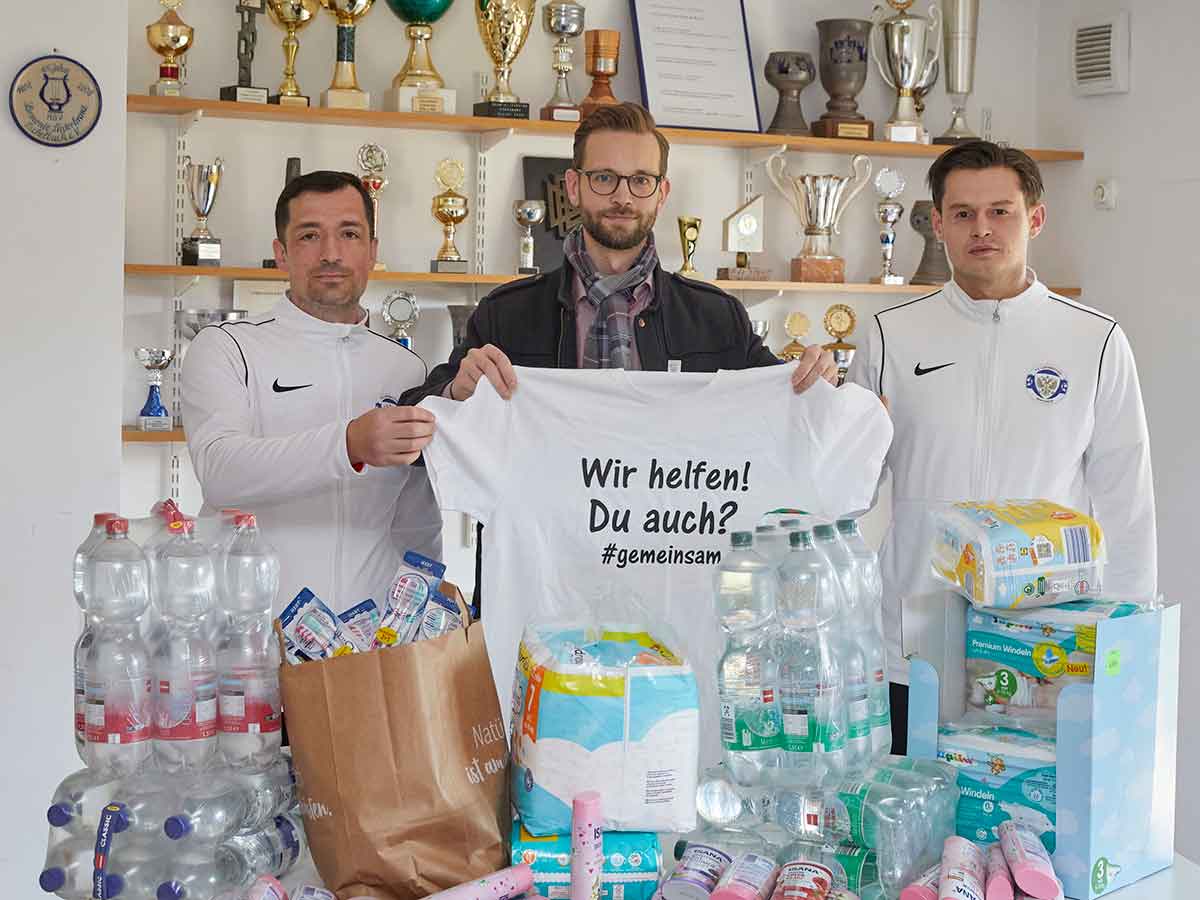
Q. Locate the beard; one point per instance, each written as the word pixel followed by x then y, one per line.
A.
pixel 619 237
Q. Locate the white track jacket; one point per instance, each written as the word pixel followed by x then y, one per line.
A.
pixel 1034 396
pixel 266 402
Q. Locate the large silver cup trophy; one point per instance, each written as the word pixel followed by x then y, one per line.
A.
pixel 960 26
pixel 819 202
pixel 203 181
pixel 904 54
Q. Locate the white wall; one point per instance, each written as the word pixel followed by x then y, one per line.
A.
pixel 59 361
pixel 1137 264
pixel 707 181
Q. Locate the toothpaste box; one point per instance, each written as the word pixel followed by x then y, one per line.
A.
pixel 1114 758
pixel 632 860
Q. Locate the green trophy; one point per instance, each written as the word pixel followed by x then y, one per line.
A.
pixel 418 87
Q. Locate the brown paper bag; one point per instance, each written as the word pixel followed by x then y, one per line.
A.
pixel 403 765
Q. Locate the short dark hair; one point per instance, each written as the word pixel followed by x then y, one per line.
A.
pixel 986 155
pixel 627 117
pixel 320 182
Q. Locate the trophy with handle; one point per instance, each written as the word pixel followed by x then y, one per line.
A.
pixel 901 47
pixel 201 248
pixel 504 26
pixel 343 92
pixel 292 16
pixel 819 202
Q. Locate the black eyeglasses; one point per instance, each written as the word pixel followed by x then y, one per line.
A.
pixel 605 182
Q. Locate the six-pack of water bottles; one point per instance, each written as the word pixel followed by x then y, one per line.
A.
pixel 185 794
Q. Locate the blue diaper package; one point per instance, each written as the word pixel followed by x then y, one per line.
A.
pixel 1003 773
pixel 632 860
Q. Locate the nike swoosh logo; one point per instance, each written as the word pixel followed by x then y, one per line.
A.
pixel 284 388
pixel 917 370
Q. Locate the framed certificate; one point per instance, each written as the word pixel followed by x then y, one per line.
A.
pixel 694 57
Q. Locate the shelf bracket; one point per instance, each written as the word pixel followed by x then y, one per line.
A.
pixel 489 140
pixel 760 157
pixel 185 122
pixel 192 282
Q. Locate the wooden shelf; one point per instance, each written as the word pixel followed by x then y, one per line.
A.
pixel 251 273
pixel 807 287
pixel 315 115
pixel 131 434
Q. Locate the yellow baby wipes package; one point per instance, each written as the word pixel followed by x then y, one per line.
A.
pixel 1010 554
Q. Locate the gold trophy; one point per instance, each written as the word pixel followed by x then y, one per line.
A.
pixel 689 234
pixel 292 16
pixel 449 208
pixel 503 25
pixel 796 325
pixel 170 37
pixel 839 322
pixel 373 159
pixel 418 86
pixel 344 92
pixel 603 48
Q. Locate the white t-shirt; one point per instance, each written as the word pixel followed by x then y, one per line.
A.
pixel 611 494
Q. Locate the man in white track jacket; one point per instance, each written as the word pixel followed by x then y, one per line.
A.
pixel 999 388
pixel 294 415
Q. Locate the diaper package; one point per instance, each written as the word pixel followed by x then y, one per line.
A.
pixel 632 860
pixel 1018 553
pixel 608 708
pixel 1019 661
pixel 1003 773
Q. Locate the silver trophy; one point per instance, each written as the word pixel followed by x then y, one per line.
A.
pixel 528 213
pixel 760 327
pixel 564 19
pixel 960 26
pixel 789 72
pixel 400 312
pixel 460 314
pixel 934 268
pixel 889 184
pixel 190 321
pixel 154 416
pixel 203 181
pixel 819 202
pixel 902 50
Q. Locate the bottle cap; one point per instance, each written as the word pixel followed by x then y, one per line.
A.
pixel 99 519
pixel 117 526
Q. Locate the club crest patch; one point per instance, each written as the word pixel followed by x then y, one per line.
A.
pixel 1046 383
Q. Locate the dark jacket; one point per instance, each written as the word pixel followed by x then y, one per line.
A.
pixel 533 321
pixel 691 321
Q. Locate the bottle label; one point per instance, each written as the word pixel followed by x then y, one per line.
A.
pixel 118 712
pixel 249 702
pixel 289 846
pixel 754 727
pixel 859 867
pixel 803 881
pixel 880 704
pixel 80 705
pixel 185 709
pixel 701 865
pixel 753 871
pixel 858 719
pixel 796 709
pixel 852 799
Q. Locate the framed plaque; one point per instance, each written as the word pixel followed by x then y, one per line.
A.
pixel 695 62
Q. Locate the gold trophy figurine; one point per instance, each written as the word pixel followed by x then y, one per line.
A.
pixel 373 160
pixel 292 16
pixel 344 92
pixel 689 234
pixel 449 209
pixel 839 322
pixel 796 325
pixel 170 37
pixel 504 26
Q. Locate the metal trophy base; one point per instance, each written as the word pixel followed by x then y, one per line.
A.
pixel 239 94
pixel 823 269
pixel 154 423
pixel 494 110
pixel 421 100
pixel 742 273
pixel 204 251
pixel 345 98
pixel 529 270
pixel 888 279
pixel 948 140
pixel 449 266
pixel 561 114
pixel 289 100
pixel 859 129
pixel 166 89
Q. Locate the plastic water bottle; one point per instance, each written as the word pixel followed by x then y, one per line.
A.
pixel 118 704
pixel 67 871
pixel 215 807
pixel 135 868
pixel 723 803
pixel 185 673
pixel 811 690
pixel 272 851
pixel 78 800
pixel 770 543
pixel 192 875
pixel 272 787
pixel 80 587
pixel 868 615
pixel 851 659
pixel 154 625
pixel 247 654
pixel 146 801
pixel 747 675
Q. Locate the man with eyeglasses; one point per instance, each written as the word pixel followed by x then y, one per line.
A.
pixel 610 305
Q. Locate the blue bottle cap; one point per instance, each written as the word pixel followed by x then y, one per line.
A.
pixel 53 879
pixel 177 827
pixel 171 890
pixel 59 815
pixel 121 820
pixel 113 885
